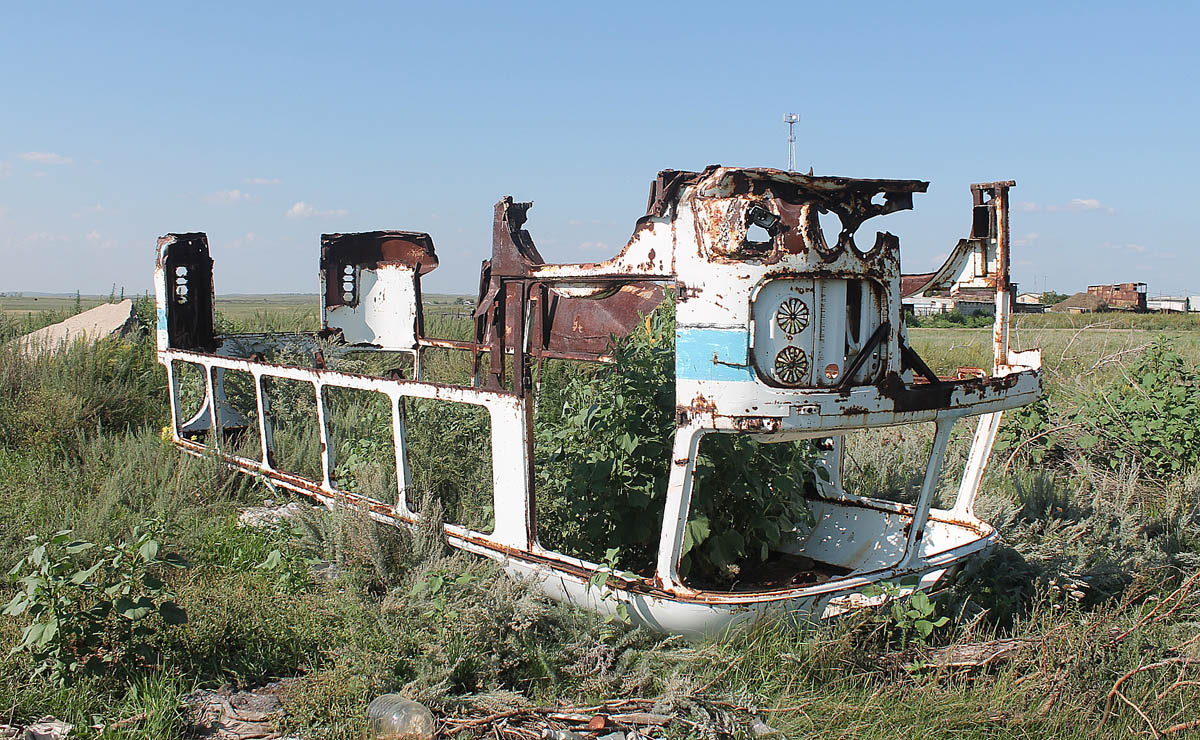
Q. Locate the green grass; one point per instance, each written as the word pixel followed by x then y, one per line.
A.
pixel 1089 552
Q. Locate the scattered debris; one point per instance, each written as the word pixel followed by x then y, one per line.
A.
pixel 237 715
pixel 107 320
pixel 47 728
pixel 324 570
pixel 269 515
pixel 617 719
pixel 964 656
pixel 394 717
pixel 762 729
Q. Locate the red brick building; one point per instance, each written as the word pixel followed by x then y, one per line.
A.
pixel 1124 296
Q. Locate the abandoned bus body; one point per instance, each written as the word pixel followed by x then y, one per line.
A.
pixel 783 332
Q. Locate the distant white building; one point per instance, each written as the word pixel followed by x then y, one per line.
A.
pixel 1170 304
pixel 922 305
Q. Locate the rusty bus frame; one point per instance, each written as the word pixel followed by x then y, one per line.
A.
pixel 782 332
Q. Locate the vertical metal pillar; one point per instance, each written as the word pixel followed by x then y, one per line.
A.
pixel 933 472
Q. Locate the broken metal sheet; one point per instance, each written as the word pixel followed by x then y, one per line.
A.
pixel 184 284
pixel 371 288
pixel 783 332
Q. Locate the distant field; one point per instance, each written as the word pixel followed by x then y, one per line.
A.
pixel 273 309
pixel 37 304
pixel 1066 349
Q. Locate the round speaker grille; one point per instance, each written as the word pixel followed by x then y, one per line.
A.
pixel 791 365
pixel 792 316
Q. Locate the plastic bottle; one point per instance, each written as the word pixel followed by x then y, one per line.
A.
pixel 392 717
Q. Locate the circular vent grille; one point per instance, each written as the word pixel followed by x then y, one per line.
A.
pixel 792 316
pixel 791 365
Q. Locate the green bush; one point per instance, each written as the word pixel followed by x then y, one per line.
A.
pixel 1149 418
pixel 89 616
pixel 951 320
pixel 607 439
pixel 52 400
pixel 1025 431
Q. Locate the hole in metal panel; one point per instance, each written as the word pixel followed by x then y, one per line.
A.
pixel 364 447
pixel 831 228
pixel 296 438
pixel 592 491
pixel 450 458
pixel 756 234
pixel 190 395
pixel 750 510
pixel 238 415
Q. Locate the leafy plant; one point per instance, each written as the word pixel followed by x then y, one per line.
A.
pixel 602 580
pixel 1151 417
pixel 361 458
pixel 1026 428
pixel 910 619
pixel 951 320
pixel 441 590
pixel 606 440
pixel 91 616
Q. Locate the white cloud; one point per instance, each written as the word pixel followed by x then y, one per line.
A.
pixel 300 209
pixel 245 240
pixel 1084 204
pixel 45 158
pixel 45 237
pixel 1026 240
pixel 594 246
pixel 262 180
pixel 1137 248
pixel 1075 205
pixel 98 241
pixel 227 196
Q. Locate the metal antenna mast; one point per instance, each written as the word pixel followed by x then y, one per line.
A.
pixel 791 119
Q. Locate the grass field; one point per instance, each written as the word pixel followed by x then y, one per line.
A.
pixel 1094 580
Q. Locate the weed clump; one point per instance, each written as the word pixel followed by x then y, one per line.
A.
pixel 1150 417
pixel 606 439
pixel 90 614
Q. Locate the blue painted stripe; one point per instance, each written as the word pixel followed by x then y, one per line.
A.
pixel 712 354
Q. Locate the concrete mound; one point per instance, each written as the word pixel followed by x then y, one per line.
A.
pixel 107 320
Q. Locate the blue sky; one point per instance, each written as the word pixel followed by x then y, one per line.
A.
pixel 268 124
